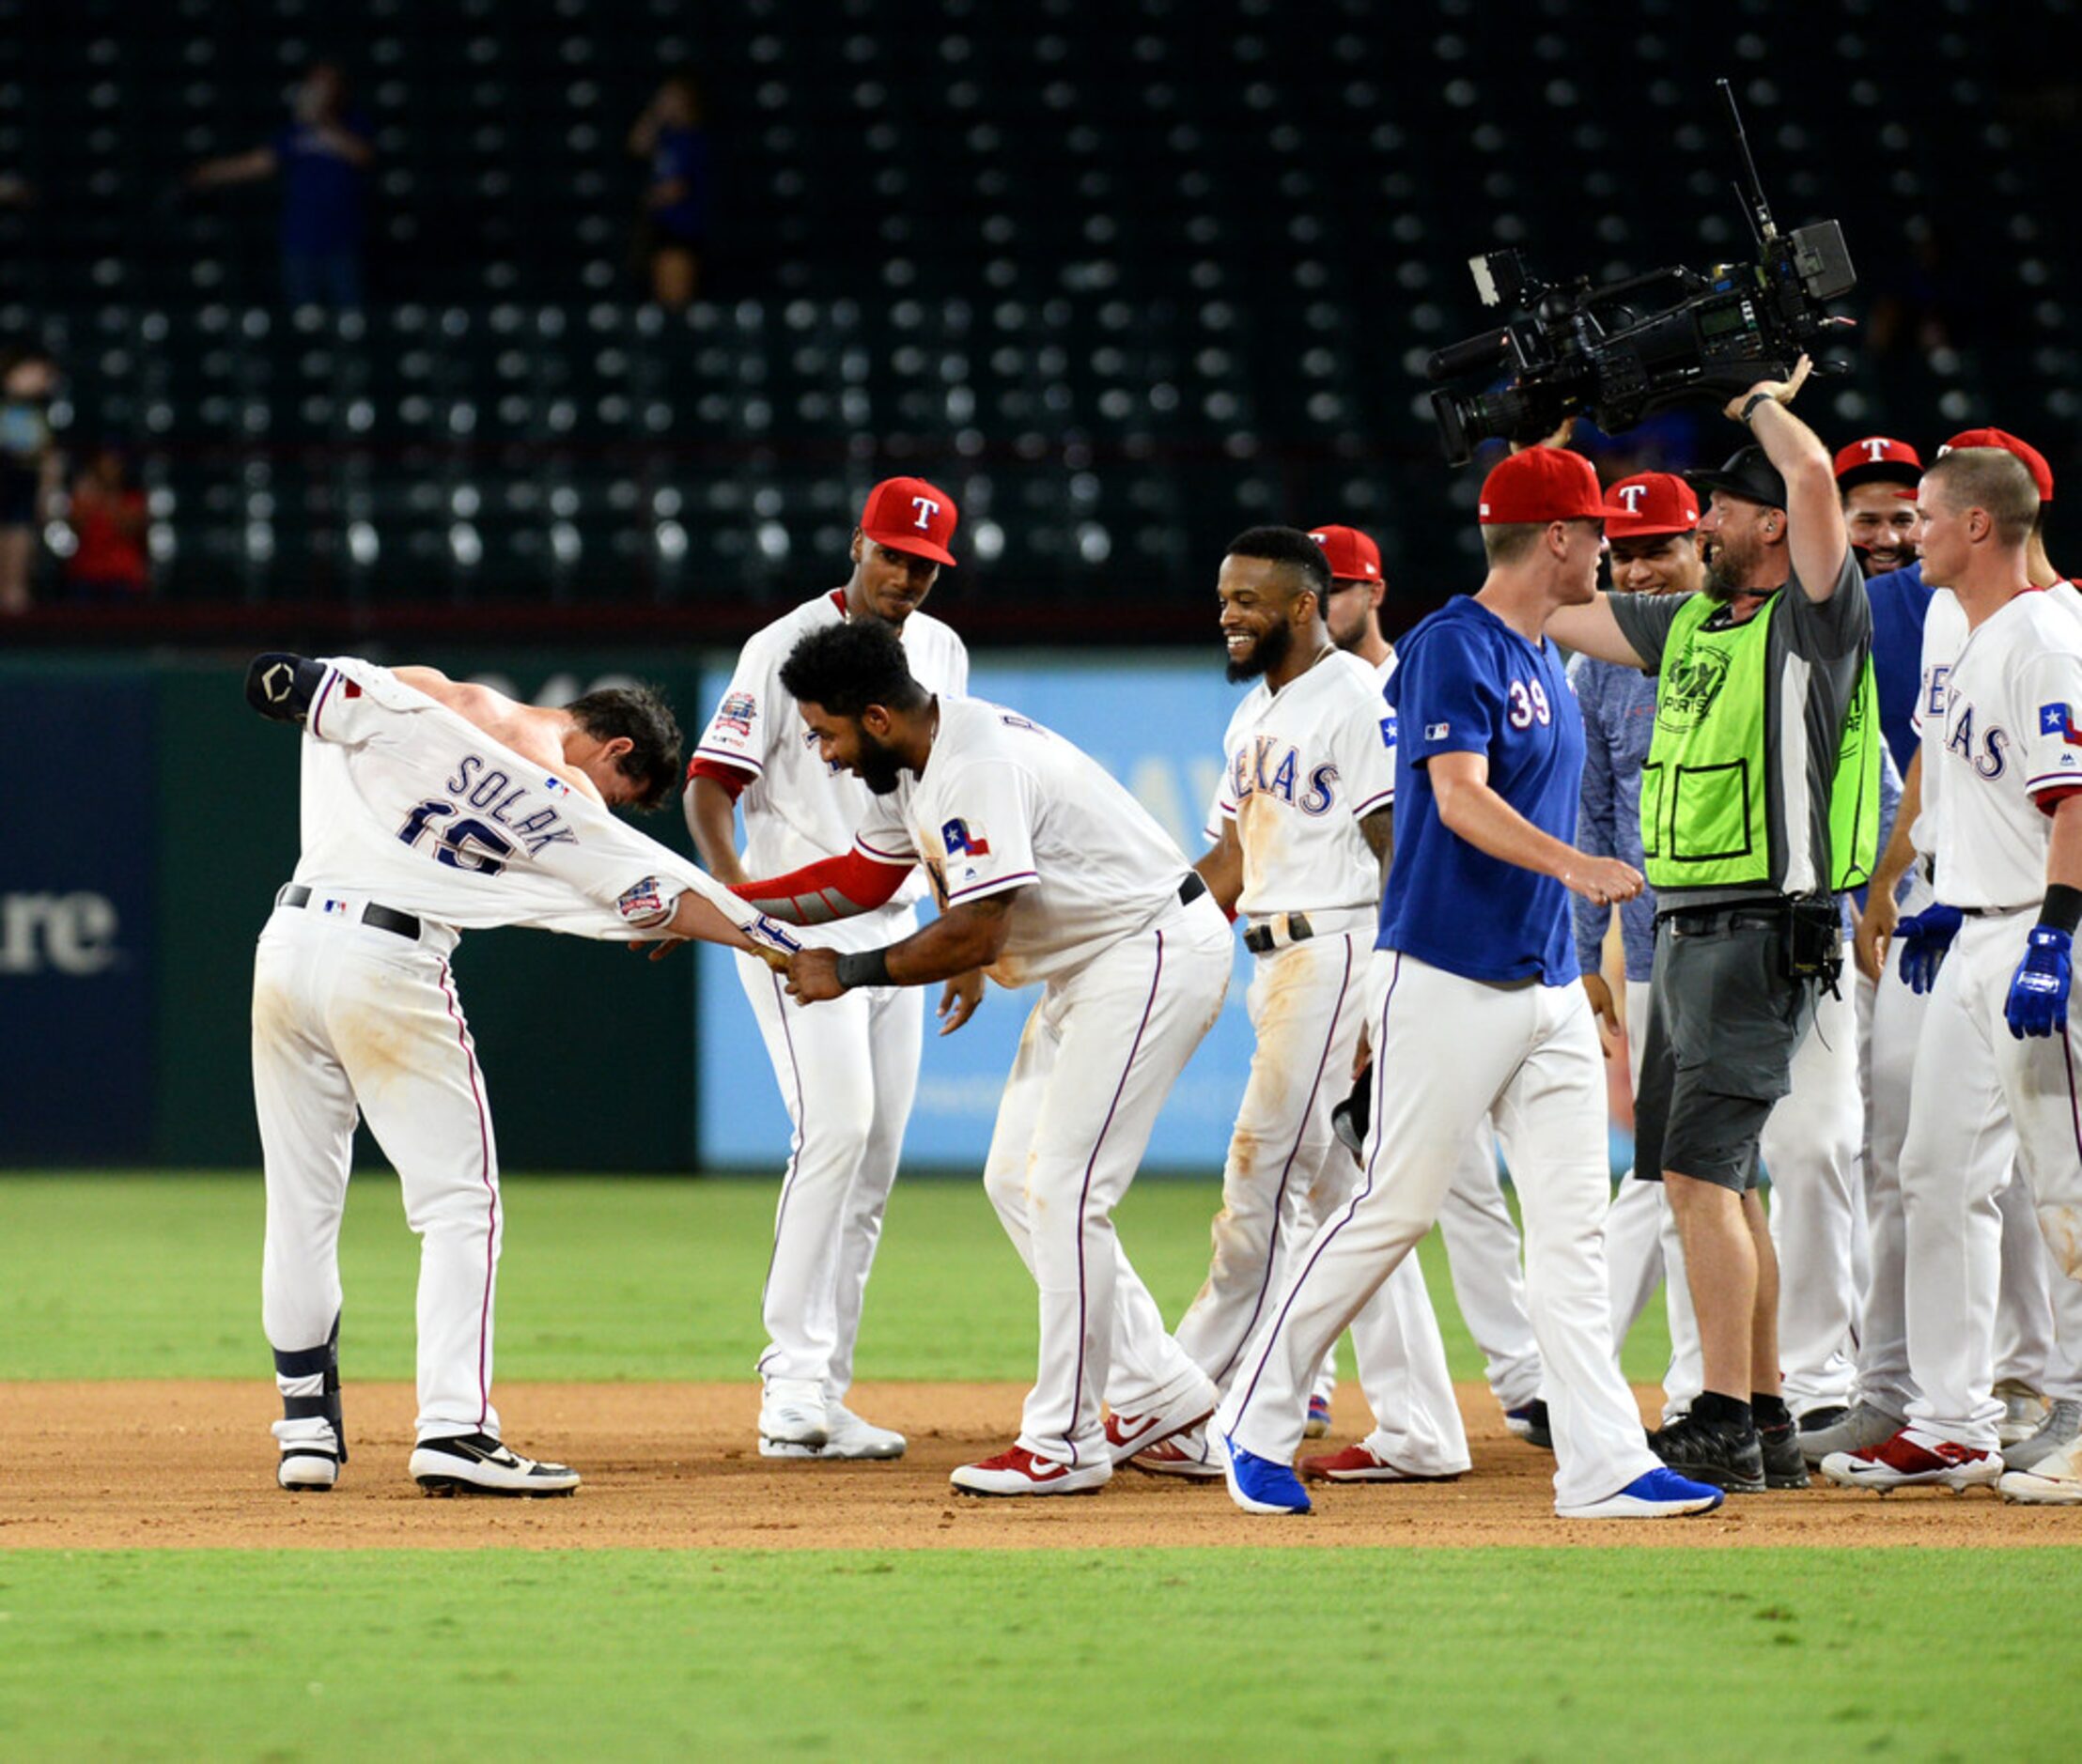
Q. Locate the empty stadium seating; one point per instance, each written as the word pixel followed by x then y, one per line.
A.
pixel 1124 277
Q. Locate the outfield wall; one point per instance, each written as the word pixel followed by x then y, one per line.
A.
pixel 161 816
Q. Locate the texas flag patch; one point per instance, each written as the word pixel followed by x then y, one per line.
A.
pixel 2057 720
pixel 959 838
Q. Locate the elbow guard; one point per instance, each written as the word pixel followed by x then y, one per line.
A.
pixel 281 686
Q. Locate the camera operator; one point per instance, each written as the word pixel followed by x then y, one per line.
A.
pixel 1758 804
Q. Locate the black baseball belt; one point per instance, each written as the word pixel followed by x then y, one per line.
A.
pixel 376 918
pixel 1192 888
pixel 1264 939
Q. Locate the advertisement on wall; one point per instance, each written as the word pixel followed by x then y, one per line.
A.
pixel 77 877
pixel 1157 727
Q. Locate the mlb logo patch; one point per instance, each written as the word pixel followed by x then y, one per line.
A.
pixel 737 712
pixel 644 903
pixel 1438 731
pixel 959 838
pixel 2055 719
pixel 336 906
pixel 554 785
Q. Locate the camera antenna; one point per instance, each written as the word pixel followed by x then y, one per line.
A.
pixel 1750 187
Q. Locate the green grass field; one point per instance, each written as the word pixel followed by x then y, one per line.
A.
pixel 1496 1653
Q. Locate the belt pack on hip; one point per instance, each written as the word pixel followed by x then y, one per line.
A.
pixel 1809 929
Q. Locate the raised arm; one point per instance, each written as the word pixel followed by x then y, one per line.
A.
pixel 834 888
pixel 1815 534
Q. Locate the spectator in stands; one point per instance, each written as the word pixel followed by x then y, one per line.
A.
pixel 674 232
pixel 28 467
pixel 109 526
pixel 323 156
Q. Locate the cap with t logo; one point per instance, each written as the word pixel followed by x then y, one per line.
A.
pixel 1649 505
pixel 1351 555
pixel 912 516
pixel 1877 459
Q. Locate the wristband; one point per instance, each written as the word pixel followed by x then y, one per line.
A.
pixel 1749 409
pixel 2063 910
pixel 864 967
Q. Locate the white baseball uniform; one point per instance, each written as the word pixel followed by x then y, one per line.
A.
pixel 2007 747
pixel 1473 986
pixel 848 1069
pixel 416 826
pixel 1302 767
pixel 1133 978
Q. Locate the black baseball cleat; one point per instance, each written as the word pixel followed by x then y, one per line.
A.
pixel 1727 1455
pixel 476 1464
pixel 1786 1466
pixel 1529 1423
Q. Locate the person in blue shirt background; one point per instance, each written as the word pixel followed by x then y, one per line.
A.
pixel 678 198
pixel 1871 473
pixel 1476 1010
pixel 322 156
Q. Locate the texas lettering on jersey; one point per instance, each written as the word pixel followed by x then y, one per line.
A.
pixel 1249 776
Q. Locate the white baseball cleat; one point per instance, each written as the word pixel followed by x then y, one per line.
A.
pixel 1019 1471
pixel 2055 1481
pixel 853 1440
pixel 1127 1434
pixel 1913 1460
pixel 1189 1455
pixel 793 1414
pixel 476 1464
pixel 308 1470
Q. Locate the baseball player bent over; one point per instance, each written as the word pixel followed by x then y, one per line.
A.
pixel 1474 989
pixel 429 807
pixel 848 1072
pixel 2005 790
pixel 1306 803
pixel 1046 870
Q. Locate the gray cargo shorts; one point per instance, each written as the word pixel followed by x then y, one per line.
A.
pixel 1724 1022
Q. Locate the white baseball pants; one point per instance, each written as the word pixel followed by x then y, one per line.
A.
pixel 349 1019
pixel 1810 1146
pixel 1099 1055
pixel 1306 1008
pixel 848 1069
pixel 1974 1084
pixel 1528 1057
pixel 1643 1249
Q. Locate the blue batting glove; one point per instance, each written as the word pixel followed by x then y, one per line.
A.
pixel 2039 995
pixel 1924 938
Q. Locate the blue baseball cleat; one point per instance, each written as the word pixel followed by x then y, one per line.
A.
pixel 1660 1494
pixel 1259 1486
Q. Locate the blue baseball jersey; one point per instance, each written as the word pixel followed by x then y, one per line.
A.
pixel 1900 603
pixel 1468 683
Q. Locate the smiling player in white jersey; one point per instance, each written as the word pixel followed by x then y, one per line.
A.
pixel 429 808
pixel 1473 995
pixel 1306 817
pixel 2004 790
pixel 848 1072
pixel 1046 870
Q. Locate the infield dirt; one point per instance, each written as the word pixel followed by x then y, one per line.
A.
pixel 668 1466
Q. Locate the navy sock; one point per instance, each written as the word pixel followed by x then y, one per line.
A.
pixel 1710 1406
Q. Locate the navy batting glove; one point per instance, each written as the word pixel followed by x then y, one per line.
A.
pixel 2039 994
pixel 1924 938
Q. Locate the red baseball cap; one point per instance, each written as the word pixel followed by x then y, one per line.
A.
pixel 1877 459
pixel 1539 485
pixel 1351 555
pixel 1649 505
pixel 2035 461
pixel 911 515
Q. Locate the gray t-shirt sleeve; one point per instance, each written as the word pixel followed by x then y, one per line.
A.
pixel 1644 621
pixel 1835 628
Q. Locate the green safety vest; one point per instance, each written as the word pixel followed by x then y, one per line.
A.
pixel 1705 790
